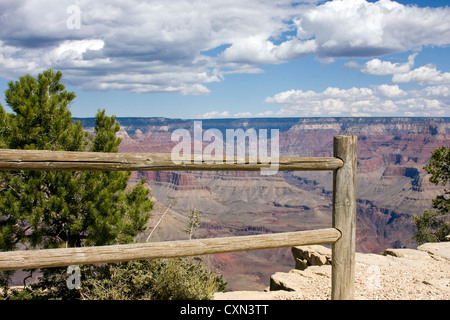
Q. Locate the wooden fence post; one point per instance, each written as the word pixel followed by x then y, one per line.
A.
pixel 344 218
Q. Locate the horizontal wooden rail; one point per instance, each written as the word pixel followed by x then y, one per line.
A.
pixel 46 258
pixel 76 161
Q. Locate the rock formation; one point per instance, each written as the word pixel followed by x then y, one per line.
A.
pixel 392 185
pixel 397 274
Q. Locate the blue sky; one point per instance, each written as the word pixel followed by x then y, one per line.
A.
pixel 230 58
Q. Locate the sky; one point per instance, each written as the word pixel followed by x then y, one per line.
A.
pixel 204 59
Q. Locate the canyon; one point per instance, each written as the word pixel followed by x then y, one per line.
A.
pixel 392 186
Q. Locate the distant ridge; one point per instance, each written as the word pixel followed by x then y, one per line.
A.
pixel 392 185
pixel 283 124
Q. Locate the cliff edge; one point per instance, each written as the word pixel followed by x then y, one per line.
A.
pixel 397 274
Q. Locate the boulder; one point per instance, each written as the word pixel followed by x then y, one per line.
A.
pixel 406 253
pixel 398 274
pixel 282 281
pixel 441 249
pixel 314 255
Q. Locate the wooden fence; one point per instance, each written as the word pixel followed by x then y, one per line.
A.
pixel 341 235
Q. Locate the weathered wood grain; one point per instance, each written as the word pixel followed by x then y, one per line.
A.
pixel 77 161
pixel 344 219
pixel 45 258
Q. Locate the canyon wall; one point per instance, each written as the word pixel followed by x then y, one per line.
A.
pixel 392 185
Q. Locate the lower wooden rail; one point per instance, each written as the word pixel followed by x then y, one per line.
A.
pixel 31 259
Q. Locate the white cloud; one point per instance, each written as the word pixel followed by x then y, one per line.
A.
pixel 215 114
pixel 15 60
pixel 243 115
pixel 359 28
pixel 146 46
pixel 251 50
pixel 382 68
pixel 422 107
pixel 267 113
pixel 424 75
pixel 382 100
pixel 159 46
pixel 349 28
pixel 330 102
pixel 404 73
pixel 440 92
pixel 257 50
pixel 390 91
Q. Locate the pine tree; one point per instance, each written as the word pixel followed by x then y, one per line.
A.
pixel 434 225
pixel 62 209
pixel 46 209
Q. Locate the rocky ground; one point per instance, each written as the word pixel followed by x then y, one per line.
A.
pixel 397 274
